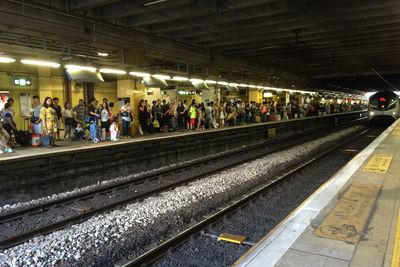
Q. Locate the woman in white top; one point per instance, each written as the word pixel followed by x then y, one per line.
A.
pixel 127 116
pixel 105 121
pixel 68 118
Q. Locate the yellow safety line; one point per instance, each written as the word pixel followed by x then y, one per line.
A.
pixel 396 248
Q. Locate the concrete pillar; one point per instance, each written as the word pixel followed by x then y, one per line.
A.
pixel 135 91
pixel 131 87
pixel 44 82
pixel 254 96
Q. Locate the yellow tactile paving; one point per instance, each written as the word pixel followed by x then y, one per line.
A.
pixel 378 163
pixel 237 239
pixel 348 218
pixel 396 248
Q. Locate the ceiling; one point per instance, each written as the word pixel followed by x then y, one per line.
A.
pixel 326 41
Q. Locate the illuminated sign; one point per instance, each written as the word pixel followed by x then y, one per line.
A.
pixel 17 81
pixel 382 99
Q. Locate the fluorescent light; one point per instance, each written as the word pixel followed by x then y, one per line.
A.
pixel 112 71
pixel 252 86
pixel 243 85
pixel 210 81
pixel 6 60
pixel 195 80
pixel 154 2
pixel 222 83
pixel 139 74
pixel 233 84
pixel 40 63
pixel 102 54
pixel 162 76
pixel 180 79
pixel 78 67
pixel 259 86
pixel 267 94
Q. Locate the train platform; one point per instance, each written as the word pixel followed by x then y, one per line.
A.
pixel 351 220
pixel 76 146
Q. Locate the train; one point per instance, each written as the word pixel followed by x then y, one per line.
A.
pixel 384 105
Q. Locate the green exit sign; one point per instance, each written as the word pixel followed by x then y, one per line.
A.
pixel 16 81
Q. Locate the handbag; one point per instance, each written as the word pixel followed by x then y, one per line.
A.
pixel 156 124
pixel 45 140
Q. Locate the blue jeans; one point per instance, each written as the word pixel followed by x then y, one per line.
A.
pixel 126 125
pixel 94 131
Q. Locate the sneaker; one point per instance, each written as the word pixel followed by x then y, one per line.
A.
pixel 8 150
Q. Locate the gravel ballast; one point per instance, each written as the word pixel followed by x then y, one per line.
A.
pixel 111 236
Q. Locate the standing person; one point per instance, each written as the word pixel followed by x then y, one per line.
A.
pixel 193 115
pixel 48 115
pixel 142 117
pixel 93 112
pixel 58 110
pixel 111 113
pixel 104 120
pixel 68 117
pixel 222 113
pixel 200 116
pixel 35 120
pixel 208 116
pixel 127 116
pixel 181 115
pixel 80 113
pixel 10 108
pixel 9 125
pixel 186 115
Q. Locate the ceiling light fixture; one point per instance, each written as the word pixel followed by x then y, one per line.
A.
pixel 139 74
pixel 196 80
pixel 40 63
pixel 78 67
pixel 210 81
pixel 102 54
pixel 180 79
pixel 154 2
pixel 112 71
pixel 222 83
pixel 162 76
pixel 6 60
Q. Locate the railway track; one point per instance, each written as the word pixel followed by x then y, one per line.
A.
pixel 245 221
pixel 21 225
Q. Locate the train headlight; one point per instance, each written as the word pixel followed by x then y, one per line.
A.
pixel 371 113
pixel 394 113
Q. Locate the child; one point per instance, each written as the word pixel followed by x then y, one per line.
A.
pixel 79 132
pixel 114 130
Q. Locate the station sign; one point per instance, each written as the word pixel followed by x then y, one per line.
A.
pixel 21 82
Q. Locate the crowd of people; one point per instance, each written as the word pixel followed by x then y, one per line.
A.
pixel 164 117
pixel 99 122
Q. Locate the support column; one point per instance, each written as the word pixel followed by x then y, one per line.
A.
pixel 132 87
pixel 254 95
pixel 44 82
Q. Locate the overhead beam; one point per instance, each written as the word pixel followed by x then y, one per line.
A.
pixel 208 12
pixel 126 8
pixel 86 4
